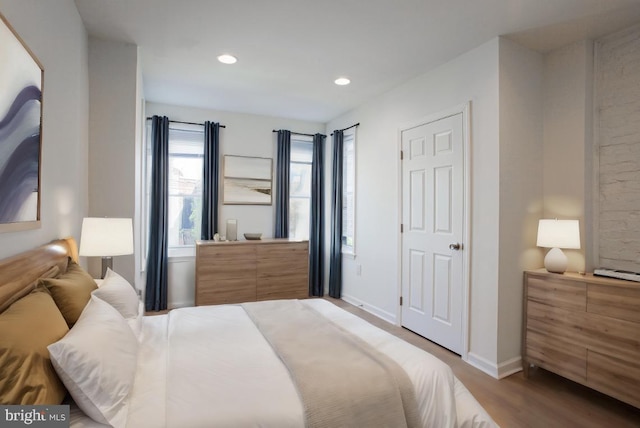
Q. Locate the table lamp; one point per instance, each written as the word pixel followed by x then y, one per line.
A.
pixel 557 234
pixel 106 237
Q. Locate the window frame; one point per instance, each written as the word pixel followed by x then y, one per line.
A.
pixel 349 139
pixel 295 138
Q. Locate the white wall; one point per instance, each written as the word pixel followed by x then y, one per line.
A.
pixel 113 130
pixel 471 77
pixel 244 135
pixel 55 34
pixel 532 157
pixel 521 100
pixel 568 83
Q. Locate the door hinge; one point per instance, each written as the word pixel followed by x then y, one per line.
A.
pixel 401 155
pixel 401 228
pixel 400 300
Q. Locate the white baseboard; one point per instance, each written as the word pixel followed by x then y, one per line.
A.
pixel 380 313
pixel 509 367
pixel 482 364
pixel 498 371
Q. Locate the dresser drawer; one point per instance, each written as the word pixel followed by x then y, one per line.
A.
pixel 225 290
pixel 559 356
pixel 279 283
pixel 214 270
pixel 559 323
pixel 614 337
pixel 226 252
pixel 614 377
pixel 557 292
pixel 614 301
pixel 289 251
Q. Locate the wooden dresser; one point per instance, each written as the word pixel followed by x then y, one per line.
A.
pixel 247 271
pixel 585 328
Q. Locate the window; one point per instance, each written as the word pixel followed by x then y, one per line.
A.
pixel 349 191
pixel 300 187
pixel 186 153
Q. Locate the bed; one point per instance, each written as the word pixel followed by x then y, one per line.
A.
pixel 256 364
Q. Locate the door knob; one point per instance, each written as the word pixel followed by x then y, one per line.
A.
pixel 457 246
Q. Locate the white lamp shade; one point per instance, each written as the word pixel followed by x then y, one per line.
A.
pixel 559 234
pixel 106 237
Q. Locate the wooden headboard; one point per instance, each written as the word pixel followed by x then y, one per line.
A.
pixel 19 274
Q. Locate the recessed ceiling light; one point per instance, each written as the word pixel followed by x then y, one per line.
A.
pixel 342 81
pixel 227 59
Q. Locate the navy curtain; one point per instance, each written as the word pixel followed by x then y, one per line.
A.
pixel 211 172
pixel 282 184
pixel 316 232
pixel 156 286
pixel 335 252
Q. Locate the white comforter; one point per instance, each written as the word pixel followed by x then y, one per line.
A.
pixel 209 366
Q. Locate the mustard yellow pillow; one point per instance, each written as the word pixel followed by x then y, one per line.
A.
pixel 71 291
pixel 27 327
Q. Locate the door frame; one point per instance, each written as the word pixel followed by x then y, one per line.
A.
pixel 465 110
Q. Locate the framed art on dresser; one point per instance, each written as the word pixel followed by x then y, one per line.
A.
pixel 21 80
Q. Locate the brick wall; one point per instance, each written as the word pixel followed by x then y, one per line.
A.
pixel 618 139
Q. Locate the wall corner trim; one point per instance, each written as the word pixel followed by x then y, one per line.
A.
pixel 498 371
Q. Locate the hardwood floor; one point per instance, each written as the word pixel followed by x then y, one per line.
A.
pixel 543 400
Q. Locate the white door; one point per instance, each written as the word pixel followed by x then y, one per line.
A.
pixel 432 223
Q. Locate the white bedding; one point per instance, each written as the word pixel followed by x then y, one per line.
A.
pixel 209 366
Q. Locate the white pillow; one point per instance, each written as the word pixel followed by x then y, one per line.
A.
pixel 117 291
pixel 96 361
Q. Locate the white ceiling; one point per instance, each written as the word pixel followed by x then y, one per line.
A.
pixel 290 51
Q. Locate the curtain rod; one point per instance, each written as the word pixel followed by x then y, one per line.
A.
pixel 348 127
pixel 187 123
pixel 300 133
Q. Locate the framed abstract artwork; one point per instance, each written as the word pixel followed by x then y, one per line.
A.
pixel 21 76
pixel 247 180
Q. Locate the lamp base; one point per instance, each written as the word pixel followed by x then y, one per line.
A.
pixel 556 261
pixel 107 262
